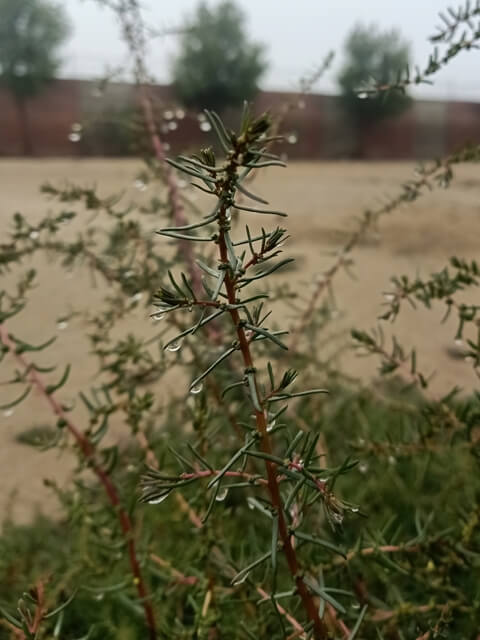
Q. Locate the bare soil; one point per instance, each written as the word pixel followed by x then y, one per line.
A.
pixel 322 200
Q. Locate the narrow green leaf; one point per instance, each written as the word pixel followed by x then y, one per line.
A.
pixel 212 366
pixel 22 396
pixel 241 574
pixel 318 541
pixel 51 388
pixel 358 623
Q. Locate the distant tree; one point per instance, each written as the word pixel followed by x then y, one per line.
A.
pixel 218 66
pixel 372 55
pixel 31 32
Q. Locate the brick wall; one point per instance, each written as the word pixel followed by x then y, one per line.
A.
pixel 428 129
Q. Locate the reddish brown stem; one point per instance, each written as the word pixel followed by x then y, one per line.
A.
pixel 88 451
pixel 308 601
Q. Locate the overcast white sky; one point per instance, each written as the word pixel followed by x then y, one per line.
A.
pixel 297 34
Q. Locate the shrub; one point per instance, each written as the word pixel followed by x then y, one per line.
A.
pixel 268 508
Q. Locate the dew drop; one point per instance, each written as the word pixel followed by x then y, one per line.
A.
pixel 7 413
pixel 74 137
pixel 137 296
pixel 158 316
pixel 159 499
pixel 292 138
pixel 182 183
pixel 172 125
pixel 166 146
pixel 77 127
pixel 100 597
pixel 205 126
pixel 195 390
pixel 174 346
pixel 63 324
pixel 301 104
pixel 363 95
pixel 228 214
pixel 69 404
pixel 354 509
pixel 389 297
pixel 140 185
pixel 168 115
pixel 459 342
pixel 363 468
pixel 392 460
pixel 33 235
pixel 129 274
pixel 271 426
pixel 201 117
pixel 250 504
pixel 337 517
pixel 221 495
pixel 241 579
pixel 180 114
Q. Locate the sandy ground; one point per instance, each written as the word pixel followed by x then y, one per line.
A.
pixel 322 201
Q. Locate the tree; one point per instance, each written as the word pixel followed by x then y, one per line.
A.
pixel 372 55
pixel 31 32
pixel 218 66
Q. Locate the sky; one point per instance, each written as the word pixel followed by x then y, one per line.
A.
pixel 297 34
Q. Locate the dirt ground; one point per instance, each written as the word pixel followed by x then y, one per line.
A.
pixel 322 200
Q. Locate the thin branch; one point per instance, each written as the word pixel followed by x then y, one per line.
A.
pixel 88 451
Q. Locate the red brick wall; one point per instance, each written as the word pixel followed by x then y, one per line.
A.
pixel 427 129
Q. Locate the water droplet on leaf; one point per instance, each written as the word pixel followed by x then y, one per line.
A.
pixel 205 126
pixel 221 495
pixel 159 499
pixel 174 346
pixel 241 579
pixel 140 185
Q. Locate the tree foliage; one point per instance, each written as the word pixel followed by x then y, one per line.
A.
pixel 371 54
pixel 31 31
pixel 218 66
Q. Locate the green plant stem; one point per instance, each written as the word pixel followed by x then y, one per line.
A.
pixel 308 601
pixel 88 451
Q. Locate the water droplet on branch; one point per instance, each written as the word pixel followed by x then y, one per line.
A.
pixel 195 390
